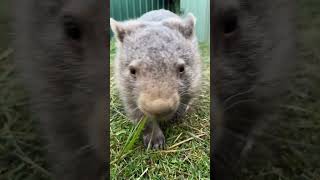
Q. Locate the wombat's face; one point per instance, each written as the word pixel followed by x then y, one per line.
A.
pixel 240 45
pixel 155 64
pixel 62 52
pixel 253 49
pixel 66 43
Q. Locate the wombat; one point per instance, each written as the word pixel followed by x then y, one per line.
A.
pixel 253 55
pixel 157 69
pixel 61 55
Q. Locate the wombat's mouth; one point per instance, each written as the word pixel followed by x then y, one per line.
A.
pixel 158 117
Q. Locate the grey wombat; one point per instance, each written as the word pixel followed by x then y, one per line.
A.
pixel 60 51
pixel 253 55
pixel 157 68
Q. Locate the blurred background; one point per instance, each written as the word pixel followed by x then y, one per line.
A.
pixel 4 24
pixel 21 147
pixel 22 150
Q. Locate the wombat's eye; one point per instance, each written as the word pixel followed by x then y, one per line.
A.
pixel 230 24
pixel 181 68
pixel 71 28
pixel 133 71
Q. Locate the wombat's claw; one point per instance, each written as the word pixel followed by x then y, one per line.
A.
pixel 157 141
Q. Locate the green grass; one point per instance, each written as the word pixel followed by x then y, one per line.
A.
pixel 188 147
pixel 21 148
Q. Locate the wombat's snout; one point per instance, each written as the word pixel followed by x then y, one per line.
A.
pixel 158 106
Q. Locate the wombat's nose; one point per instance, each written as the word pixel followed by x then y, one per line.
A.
pixel 158 107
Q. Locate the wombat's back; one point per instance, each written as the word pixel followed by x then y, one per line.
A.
pixel 158 15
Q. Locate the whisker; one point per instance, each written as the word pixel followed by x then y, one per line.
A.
pixel 239 102
pixel 237 94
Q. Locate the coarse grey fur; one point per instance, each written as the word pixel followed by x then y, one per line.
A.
pixel 156 45
pixel 60 53
pixel 254 53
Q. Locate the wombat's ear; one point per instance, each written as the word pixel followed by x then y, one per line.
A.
pixel 185 26
pixel 122 29
pixel 117 29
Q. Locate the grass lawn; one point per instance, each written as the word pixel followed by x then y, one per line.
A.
pixel 21 149
pixel 188 143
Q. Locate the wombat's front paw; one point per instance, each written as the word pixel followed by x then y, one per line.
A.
pixel 157 140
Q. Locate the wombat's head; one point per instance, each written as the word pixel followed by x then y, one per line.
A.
pixel 157 65
pixel 253 56
pixel 253 47
pixel 60 52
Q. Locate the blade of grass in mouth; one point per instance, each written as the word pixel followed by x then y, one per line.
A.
pixel 133 136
